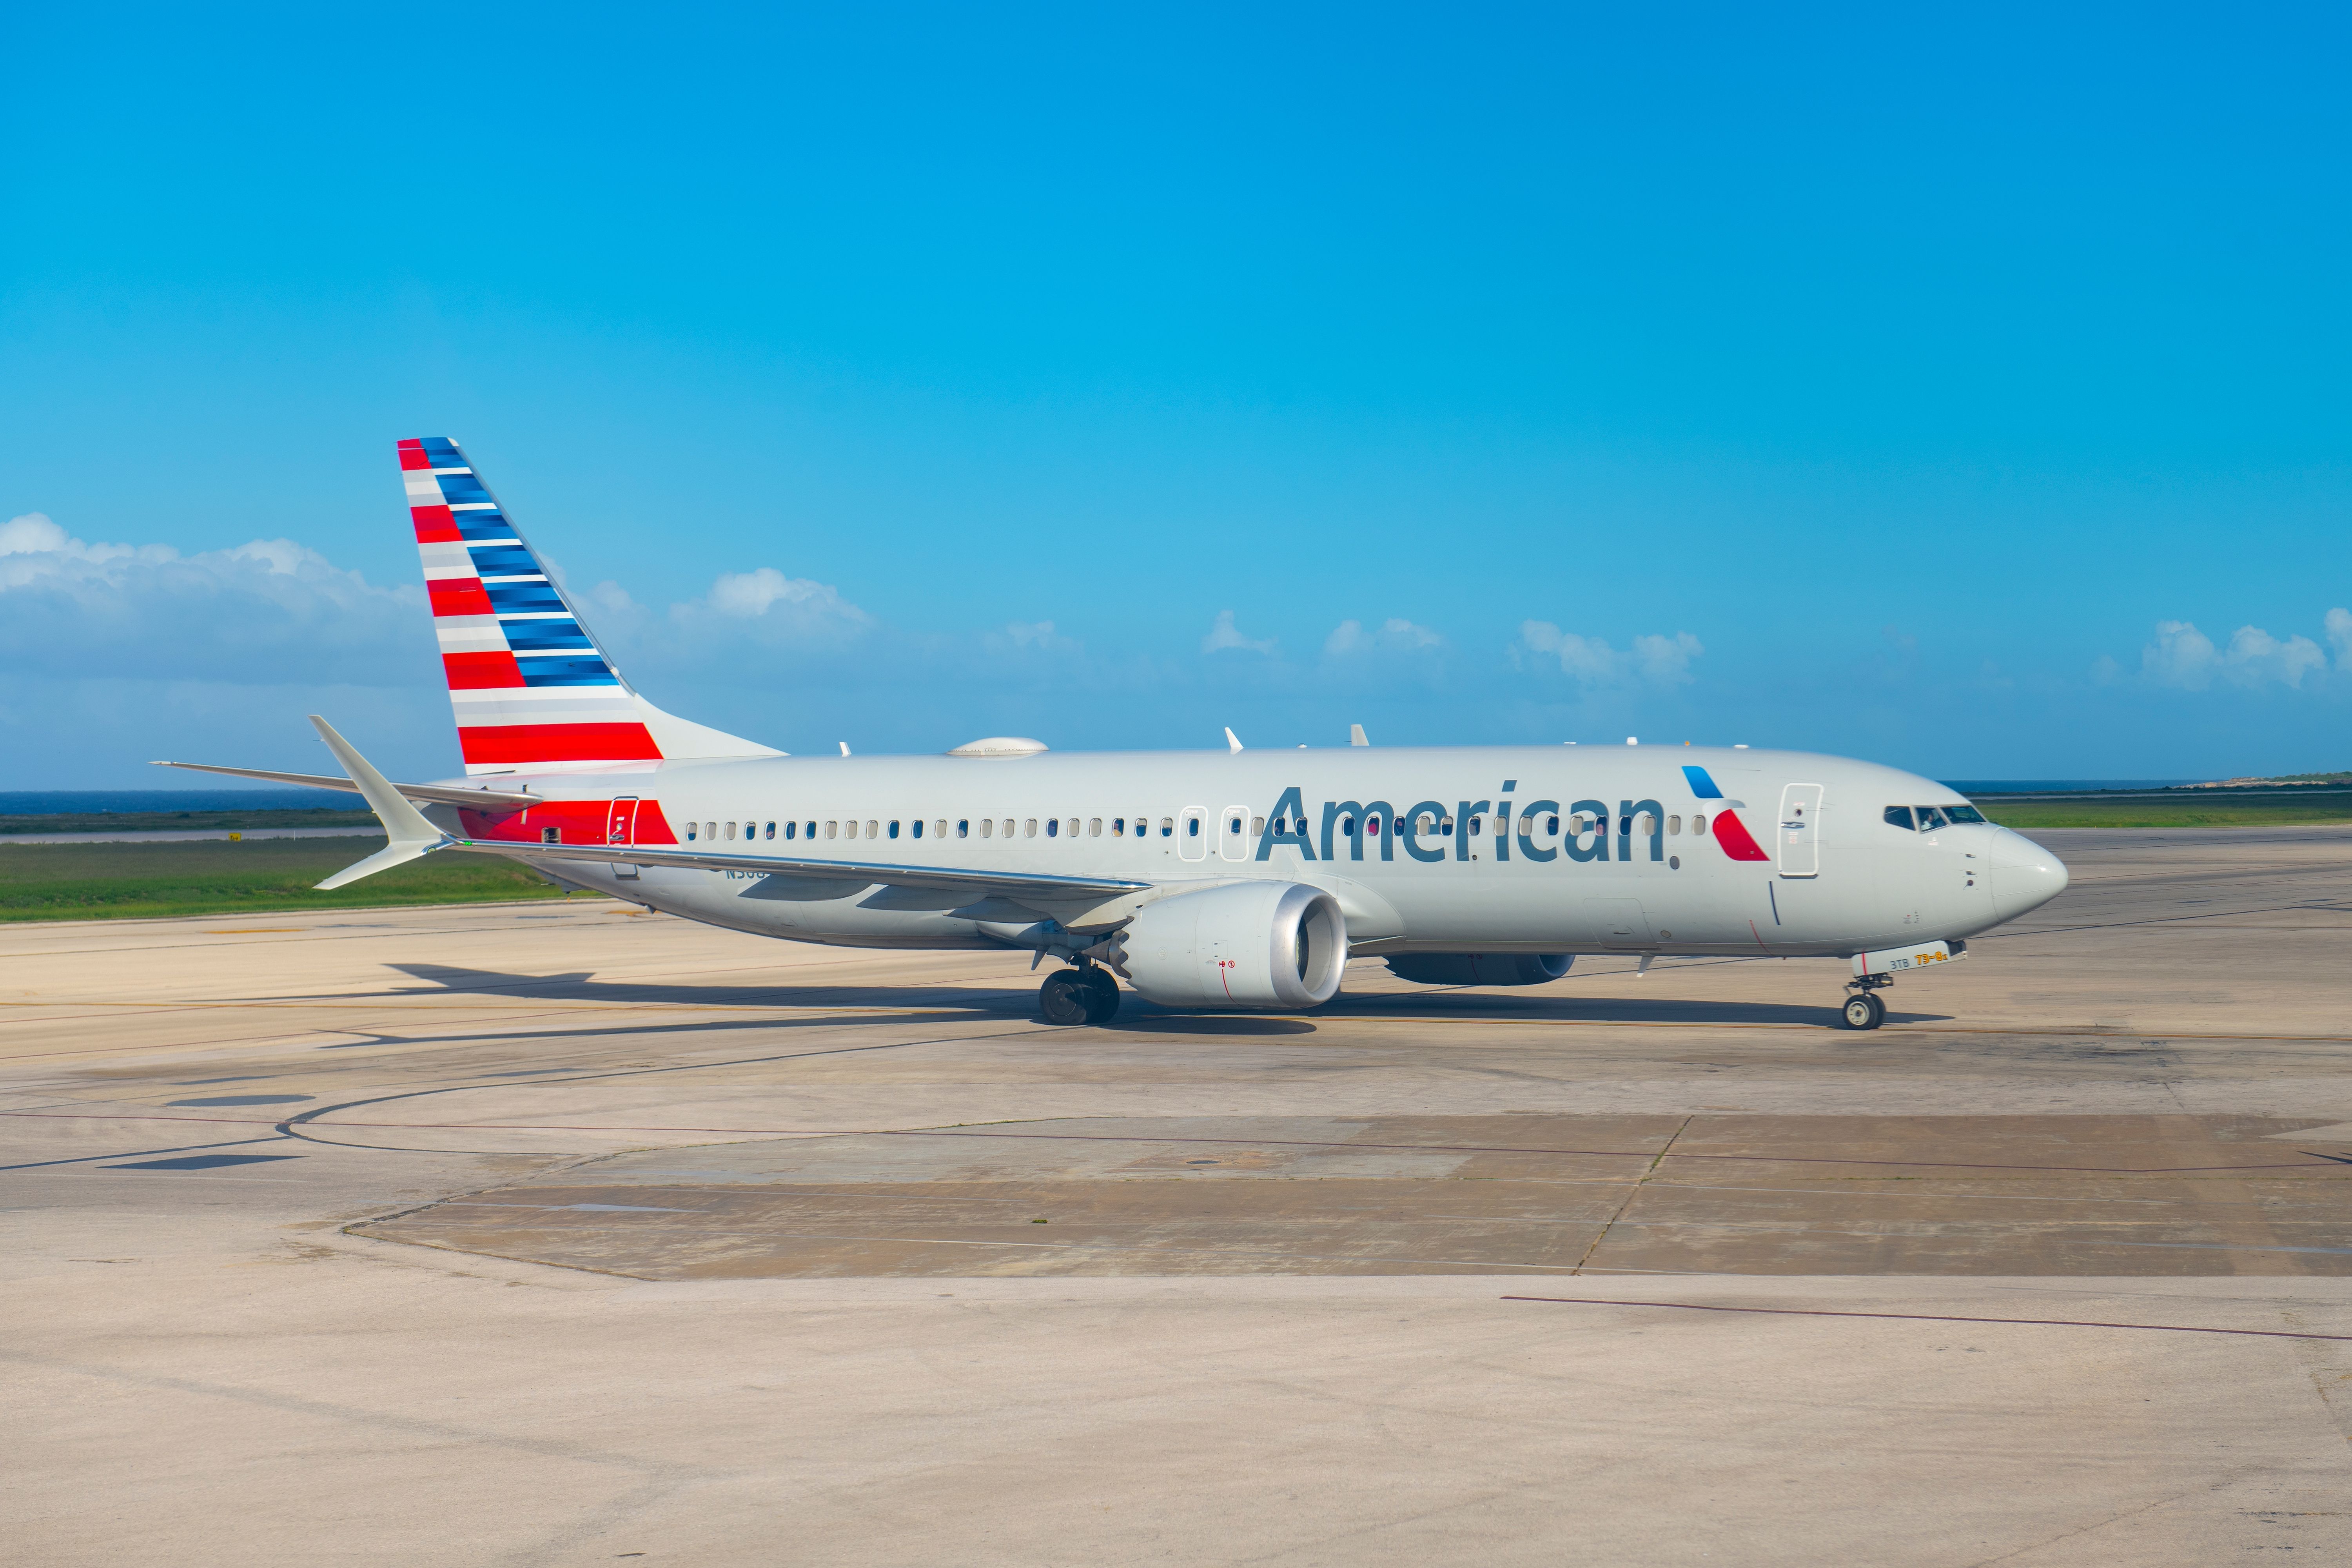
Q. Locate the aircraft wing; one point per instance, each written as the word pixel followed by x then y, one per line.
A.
pixel 439 795
pixel 860 873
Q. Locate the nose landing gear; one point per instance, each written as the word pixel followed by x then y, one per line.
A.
pixel 1086 996
pixel 1863 1010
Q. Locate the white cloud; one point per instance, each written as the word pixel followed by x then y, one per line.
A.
pixel 1029 637
pixel 264 613
pixel 766 602
pixel 1395 636
pixel 2183 656
pixel 1658 661
pixel 1226 634
pixel 2339 632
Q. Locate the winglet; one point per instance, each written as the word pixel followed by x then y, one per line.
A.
pixel 410 834
pixel 1232 742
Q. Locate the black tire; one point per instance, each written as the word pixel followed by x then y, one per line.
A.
pixel 1064 998
pixel 1862 1010
pixel 1101 996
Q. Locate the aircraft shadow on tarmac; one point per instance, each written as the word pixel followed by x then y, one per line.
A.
pixel 1446 1005
pixel 581 986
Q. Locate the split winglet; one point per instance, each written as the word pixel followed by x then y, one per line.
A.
pixel 412 836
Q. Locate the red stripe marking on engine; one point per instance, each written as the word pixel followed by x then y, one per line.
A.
pixel 480 671
pixel 435 525
pixel 459 596
pixel 558 744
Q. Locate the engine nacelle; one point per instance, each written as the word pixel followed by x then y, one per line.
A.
pixel 1246 944
pixel 1480 968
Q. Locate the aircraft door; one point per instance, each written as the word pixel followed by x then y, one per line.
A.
pixel 1801 814
pixel 1192 834
pixel 621 827
pixel 1232 833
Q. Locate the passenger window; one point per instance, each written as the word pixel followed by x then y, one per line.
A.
pixel 689 833
pixel 1348 826
pixel 939 828
pixel 1551 824
pixel 1698 826
pixel 870 826
pixel 811 831
pixel 832 829
pixel 1074 827
pixel 894 827
pixel 1899 816
pixel 915 827
pixel 1094 827
pixel 1053 826
pixel 963 827
pixel 987 826
pixel 1033 827
pixel 1445 825
pixel 1192 827
pixel 1645 825
pixel 1674 824
pixel 788 830
pixel 1119 828
pixel 1167 828
pixel 852 828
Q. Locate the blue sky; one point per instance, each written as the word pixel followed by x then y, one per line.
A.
pixel 1967 392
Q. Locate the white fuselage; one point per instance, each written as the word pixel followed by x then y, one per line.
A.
pixel 1835 878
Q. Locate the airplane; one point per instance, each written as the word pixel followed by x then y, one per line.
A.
pixel 1208 880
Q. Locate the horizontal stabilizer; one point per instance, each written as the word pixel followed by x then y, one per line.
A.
pixel 437 795
pixel 860 873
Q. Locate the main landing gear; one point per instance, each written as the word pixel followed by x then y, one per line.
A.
pixel 1086 996
pixel 1863 1010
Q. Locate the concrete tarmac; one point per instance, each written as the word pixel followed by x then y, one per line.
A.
pixel 572 1234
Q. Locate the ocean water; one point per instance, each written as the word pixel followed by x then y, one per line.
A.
pixel 276 798
pixel 2057 786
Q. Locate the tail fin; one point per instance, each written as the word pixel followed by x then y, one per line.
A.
pixel 530 686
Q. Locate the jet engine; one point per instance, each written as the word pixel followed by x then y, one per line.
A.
pixel 1246 944
pixel 1480 968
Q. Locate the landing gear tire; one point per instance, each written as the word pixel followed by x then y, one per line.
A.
pixel 1863 1010
pixel 1101 993
pixel 1066 998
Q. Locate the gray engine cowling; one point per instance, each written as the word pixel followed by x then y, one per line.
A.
pixel 1480 968
pixel 1246 944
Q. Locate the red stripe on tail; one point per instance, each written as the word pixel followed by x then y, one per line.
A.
pixel 513 743
pixel 458 597
pixel 480 671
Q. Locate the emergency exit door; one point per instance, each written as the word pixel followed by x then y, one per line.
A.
pixel 1800 817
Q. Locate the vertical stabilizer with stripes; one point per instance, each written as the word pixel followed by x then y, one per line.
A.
pixel 531 688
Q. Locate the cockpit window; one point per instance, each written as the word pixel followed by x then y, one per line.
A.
pixel 1930 818
pixel 1899 816
pixel 1963 814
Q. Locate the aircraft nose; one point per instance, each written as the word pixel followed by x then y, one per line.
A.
pixel 2025 875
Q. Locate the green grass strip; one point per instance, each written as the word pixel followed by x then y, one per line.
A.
pixel 145 882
